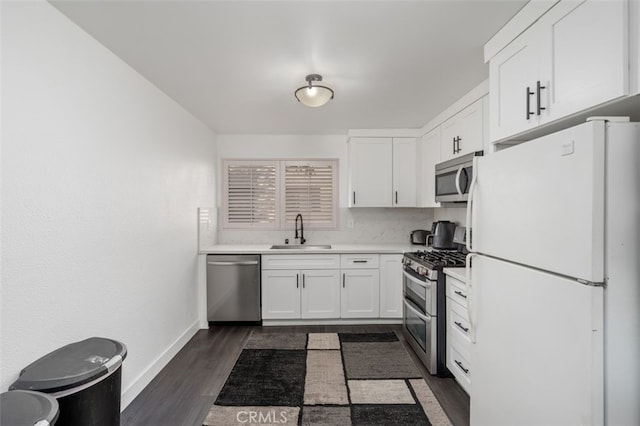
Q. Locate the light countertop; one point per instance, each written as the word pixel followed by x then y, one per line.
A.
pixel 457 273
pixel 335 249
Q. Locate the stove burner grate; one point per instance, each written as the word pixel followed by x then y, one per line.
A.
pixel 439 259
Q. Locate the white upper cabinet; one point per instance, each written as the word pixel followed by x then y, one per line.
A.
pixel 462 133
pixel 584 62
pixel 428 157
pixel 370 172
pixel 382 172
pixel 404 172
pixel 573 58
pixel 511 75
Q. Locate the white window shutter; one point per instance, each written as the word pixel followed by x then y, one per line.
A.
pixel 310 188
pixel 252 194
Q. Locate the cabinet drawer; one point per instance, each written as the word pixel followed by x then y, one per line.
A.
pixel 457 291
pixel 359 261
pixel 301 261
pixel 458 321
pixel 460 368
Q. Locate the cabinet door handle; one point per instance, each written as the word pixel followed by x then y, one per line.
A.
pixel 466 370
pixel 459 324
pixel 529 93
pixel 343 279
pixel 354 198
pixel 461 294
pixel 454 146
pixel 458 139
pixel 360 261
pixel 297 280
pixel 396 197
pixel 302 280
pixel 539 88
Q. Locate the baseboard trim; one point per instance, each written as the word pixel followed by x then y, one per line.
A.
pixel 378 321
pixel 158 364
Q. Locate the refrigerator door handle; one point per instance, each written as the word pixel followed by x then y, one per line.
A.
pixel 472 188
pixel 470 310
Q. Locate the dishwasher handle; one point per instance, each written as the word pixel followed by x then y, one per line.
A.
pixel 238 263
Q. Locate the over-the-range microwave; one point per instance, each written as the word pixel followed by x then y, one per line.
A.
pixel 453 178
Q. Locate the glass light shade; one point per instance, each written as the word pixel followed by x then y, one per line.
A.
pixel 314 96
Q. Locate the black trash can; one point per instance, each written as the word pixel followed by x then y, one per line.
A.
pixel 26 408
pixel 85 378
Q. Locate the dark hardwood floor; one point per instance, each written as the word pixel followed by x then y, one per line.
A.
pixel 185 389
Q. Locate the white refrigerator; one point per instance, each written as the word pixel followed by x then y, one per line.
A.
pixel 555 280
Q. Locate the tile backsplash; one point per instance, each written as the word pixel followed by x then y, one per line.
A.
pixel 454 214
pixel 370 225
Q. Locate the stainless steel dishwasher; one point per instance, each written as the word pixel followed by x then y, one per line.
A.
pixel 233 288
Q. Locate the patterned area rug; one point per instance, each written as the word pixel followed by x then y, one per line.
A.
pixel 325 379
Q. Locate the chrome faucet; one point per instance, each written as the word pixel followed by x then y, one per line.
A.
pixel 301 235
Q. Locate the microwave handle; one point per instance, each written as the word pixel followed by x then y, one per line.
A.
pixel 460 170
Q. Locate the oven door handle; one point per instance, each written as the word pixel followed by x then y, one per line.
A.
pixel 425 284
pixel 416 311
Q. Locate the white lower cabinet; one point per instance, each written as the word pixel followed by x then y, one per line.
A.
pixel 305 293
pixel 360 293
pixel 324 286
pixel 291 292
pixel 320 296
pixel 360 285
pixel 390 286
pixel 280 294
pixel 458 332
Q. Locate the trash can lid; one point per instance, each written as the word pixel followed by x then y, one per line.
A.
pixel 26 408
pixel 72 365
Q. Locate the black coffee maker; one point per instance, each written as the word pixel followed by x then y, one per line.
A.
pixel 441 237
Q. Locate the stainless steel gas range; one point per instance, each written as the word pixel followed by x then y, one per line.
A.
pixel 424 323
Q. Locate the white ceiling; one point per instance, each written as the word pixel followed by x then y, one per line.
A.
pixel 236 64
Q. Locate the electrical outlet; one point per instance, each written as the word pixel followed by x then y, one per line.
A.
pixel 350 223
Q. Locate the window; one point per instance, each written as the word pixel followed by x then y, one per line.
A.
pixel 270 194
pixel 309 189
pixel 251 194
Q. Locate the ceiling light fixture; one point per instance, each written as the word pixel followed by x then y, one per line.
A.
pixel 314 95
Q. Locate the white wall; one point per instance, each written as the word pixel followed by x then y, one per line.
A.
pixel 371 225
pixel 102 175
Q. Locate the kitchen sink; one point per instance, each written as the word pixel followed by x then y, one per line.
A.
pixel 301 246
